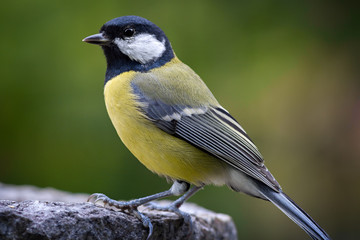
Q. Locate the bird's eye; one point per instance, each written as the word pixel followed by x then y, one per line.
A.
pixel 129 32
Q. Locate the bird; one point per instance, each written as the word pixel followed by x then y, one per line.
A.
pixel 171 122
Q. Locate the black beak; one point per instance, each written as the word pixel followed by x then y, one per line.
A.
pixel 97 39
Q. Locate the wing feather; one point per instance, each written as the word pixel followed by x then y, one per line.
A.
pixel 211 129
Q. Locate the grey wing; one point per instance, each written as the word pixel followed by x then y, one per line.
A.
pixel 211 129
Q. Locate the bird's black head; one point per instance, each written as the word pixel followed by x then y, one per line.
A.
pixel 132 43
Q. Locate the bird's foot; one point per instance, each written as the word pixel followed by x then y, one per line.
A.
pixel 174 207
pixel 97 198
pixel 130 206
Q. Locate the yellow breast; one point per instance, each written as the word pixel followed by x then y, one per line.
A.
pixel 160 152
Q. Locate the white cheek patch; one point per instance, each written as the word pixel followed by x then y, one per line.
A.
pixel 142 48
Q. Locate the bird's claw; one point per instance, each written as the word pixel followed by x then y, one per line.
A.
pixel 99 197
pixel 145 221
pixel 131 207
pixel 175 209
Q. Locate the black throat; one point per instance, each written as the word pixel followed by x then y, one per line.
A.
pixel 118 63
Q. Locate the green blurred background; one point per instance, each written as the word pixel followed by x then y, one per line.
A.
pixel 287 70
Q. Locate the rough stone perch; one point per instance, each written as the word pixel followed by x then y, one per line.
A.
pixel 55 219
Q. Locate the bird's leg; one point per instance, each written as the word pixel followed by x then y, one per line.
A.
pixel 178 188
pixel 174 207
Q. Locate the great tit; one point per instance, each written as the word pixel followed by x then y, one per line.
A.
pixel 169 119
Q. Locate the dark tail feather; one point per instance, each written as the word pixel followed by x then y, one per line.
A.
pixel 294 212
